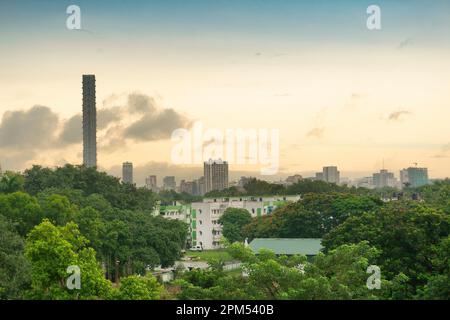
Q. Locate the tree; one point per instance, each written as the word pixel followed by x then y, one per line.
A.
pixel 51 250
pixel 22 210
pixel 438 285
pixel 233 220
pixel 405 232
pixel 14 268
pixel 339 274
pixel 11 182
pixel 139 288
pixel 311 217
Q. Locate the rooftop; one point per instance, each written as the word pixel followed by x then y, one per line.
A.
pixel 305 246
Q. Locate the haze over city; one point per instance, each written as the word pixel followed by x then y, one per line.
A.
pixel 339 94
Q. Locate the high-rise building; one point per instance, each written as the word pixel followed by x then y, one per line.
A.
pixel 414 177
pixel 216 175
pixel 150 183
pixel 89 122
pixel 169 183
pixel 331 174
pixel 127 172
pixel 383 179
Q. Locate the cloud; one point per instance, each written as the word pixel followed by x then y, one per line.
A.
pixel 397 116
pixel 152 123
pixel 32 129
pixel 107 116
pixel 139 103
pixel 156 125
pixel 39 129
pixel 316 133
pixel 72 131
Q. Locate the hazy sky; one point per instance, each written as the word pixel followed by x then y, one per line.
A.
pixel 339 93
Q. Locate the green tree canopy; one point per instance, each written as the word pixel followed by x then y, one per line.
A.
pixel 232 221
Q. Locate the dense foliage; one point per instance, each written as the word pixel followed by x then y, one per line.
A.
pixel 77 215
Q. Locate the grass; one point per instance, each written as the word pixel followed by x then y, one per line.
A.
pixel 206 255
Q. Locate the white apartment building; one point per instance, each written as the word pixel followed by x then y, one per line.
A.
pixel 205 228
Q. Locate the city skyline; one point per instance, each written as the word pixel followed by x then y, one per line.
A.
pixel 340 94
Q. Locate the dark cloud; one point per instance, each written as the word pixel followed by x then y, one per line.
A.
pixel 72 131
pixel 156 125
pixel 139 103
pixel 107 116
pixel 397 116
pixel 29 132
pixel 32 129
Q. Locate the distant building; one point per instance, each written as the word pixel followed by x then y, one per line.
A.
pixel 331 174
pixel 89 122
pixel 365 182
pixel 127 172
pixel 384 179
pixel 189 187
pixel 404 181
pixel 150 183
pixel 169 183
pixel 201 186
pixel 414 177
pixel 293 179
pixel 216 175
pixel 319 176
pixel 206 231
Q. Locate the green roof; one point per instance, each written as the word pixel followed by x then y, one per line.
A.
pixel 306 246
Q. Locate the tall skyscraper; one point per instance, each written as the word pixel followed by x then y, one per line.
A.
pixel 216 175
pixel 331 174
pixel 127 172
pixel 89 122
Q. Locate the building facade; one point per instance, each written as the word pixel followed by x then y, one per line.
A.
pixel 215 174
pixel 89 121
pixel 384 179
pixel 331 174
pixel 169 183
pixel 205 228
pixel 127 172
pixel 151 183
pixel 414 177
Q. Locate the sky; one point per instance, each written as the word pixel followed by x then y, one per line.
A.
pixel 339 93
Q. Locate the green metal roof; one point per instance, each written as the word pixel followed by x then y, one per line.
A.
pixel 306 246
